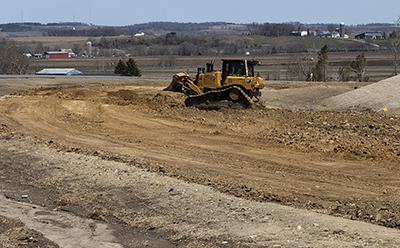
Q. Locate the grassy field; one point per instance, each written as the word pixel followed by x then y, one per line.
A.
pixel 274 66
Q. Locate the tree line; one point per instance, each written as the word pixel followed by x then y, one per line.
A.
pixel 191 28
pixel 272 29
pixel 305 68
pixel 266 29
pixel 92 32
pixel 190 45
pixel 171 44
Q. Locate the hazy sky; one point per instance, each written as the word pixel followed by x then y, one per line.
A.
pixel 127 12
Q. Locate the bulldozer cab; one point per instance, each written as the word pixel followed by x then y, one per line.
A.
pixel 236 68
pixel 239 67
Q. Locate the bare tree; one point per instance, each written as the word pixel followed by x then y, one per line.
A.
pixel 78 49
pixel 167 61
pixel 331 28
pixel 397 22
pixel 358 66
pixel 394 46
pixel 12 60
pixel 302 66
pixel 348 31
pixel 344 73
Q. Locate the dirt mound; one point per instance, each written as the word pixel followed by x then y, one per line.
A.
pixel 304 95
pixel 372 98
pixel 263 154
pixel 142 97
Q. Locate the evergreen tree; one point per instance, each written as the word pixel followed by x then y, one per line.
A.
pixel 132 69
pixel 120 68
pixel 320 69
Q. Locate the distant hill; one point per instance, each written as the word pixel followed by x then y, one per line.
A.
pixel 151 28
pixel 162 28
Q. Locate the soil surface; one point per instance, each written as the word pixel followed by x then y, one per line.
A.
pixel 129 166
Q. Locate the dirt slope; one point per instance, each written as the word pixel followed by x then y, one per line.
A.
pixel 337 163
pixel 371 98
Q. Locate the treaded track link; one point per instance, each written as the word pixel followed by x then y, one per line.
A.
pixel 229 97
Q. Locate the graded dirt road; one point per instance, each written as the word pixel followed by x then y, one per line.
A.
pixel 160 174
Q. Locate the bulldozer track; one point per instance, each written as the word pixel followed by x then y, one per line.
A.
pixel 214 96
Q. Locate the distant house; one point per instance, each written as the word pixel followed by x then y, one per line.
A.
pixel 325 34
pixel 369 35
pixel 312 33
pixel 56 55
pixel 59 71
pixel 335 34
pixel 139 34
pixel 298 33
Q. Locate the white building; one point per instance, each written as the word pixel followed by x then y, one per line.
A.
pixel 59 71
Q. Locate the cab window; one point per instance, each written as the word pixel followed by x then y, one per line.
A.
pixel 237 68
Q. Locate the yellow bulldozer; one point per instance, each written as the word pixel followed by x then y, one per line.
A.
pixel 235 85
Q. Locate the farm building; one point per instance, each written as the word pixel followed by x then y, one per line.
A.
pixel 369 35
pixel 56 55
pixel 71 54
pixel 59 71
pixel 299 33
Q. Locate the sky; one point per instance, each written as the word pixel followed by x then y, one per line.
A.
pixel 129 12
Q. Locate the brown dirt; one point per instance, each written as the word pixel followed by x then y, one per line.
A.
pixel 14 233
pixel 343 164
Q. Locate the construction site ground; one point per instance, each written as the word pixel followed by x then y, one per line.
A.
pixel 121 163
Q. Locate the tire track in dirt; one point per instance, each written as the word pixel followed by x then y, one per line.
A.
pixel 143 210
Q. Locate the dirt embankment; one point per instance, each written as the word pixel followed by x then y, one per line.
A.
pixel 338 163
